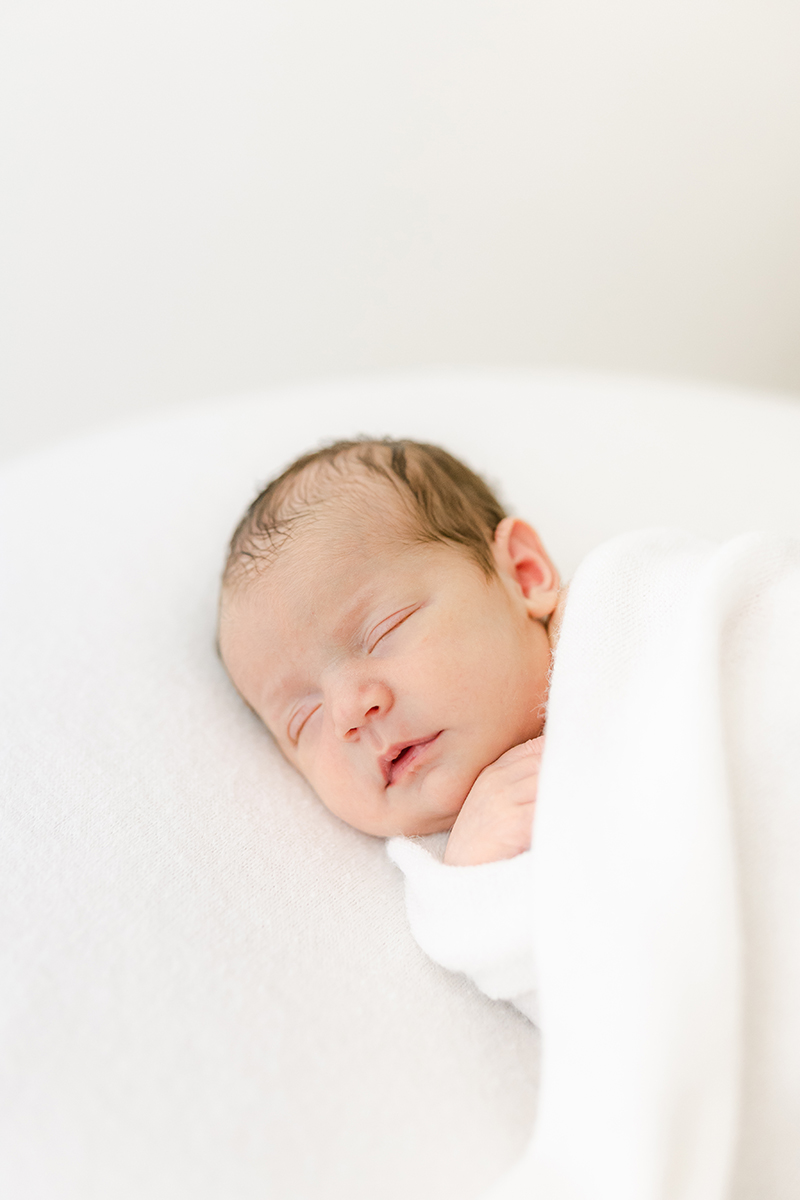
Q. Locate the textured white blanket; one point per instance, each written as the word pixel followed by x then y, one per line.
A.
pixel 664 880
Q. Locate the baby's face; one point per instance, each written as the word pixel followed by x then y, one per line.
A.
pixel 391 676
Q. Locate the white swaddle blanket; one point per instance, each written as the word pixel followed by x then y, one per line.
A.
pixel 661 895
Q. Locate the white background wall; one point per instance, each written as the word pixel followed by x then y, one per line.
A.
pixel 214 195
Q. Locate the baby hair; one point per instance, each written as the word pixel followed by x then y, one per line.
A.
pixel 444 501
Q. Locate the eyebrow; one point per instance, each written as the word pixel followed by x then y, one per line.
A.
pixel 355 612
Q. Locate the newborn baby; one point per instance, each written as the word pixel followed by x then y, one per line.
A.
pixel 393 628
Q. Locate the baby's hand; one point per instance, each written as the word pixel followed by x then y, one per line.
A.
pixel 496 819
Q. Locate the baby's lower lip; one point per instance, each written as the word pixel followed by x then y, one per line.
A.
pixel 400 768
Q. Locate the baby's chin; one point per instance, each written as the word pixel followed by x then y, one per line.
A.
pixel 423 826
pixel 441 802
pixel 415 811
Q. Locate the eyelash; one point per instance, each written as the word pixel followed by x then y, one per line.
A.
pixel 294 737
pixel 403 618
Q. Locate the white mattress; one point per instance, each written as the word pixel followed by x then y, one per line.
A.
pixel 209 989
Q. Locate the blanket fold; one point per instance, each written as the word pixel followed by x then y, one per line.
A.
pixel 474 919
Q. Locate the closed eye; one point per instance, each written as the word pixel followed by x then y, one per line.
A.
pixel 299 719
pixel 389 625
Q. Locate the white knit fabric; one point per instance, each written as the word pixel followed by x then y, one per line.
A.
pixel 666 866
pixel 476 919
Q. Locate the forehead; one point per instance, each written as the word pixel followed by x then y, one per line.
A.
pixel 325 562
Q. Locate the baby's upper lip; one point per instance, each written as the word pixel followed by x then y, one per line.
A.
pixel 385 761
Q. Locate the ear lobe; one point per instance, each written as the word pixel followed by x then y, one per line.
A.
pixel 520 556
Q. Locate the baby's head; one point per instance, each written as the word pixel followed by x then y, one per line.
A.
pixel 388 623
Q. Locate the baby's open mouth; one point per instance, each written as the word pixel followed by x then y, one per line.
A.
pixel 402 757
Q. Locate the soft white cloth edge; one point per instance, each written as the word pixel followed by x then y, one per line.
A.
pixel 473 919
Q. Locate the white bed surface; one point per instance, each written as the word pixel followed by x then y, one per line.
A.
pixel 211 990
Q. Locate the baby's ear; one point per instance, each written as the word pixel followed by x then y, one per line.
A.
pixel 521 558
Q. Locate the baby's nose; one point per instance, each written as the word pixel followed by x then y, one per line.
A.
pixel 358 707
